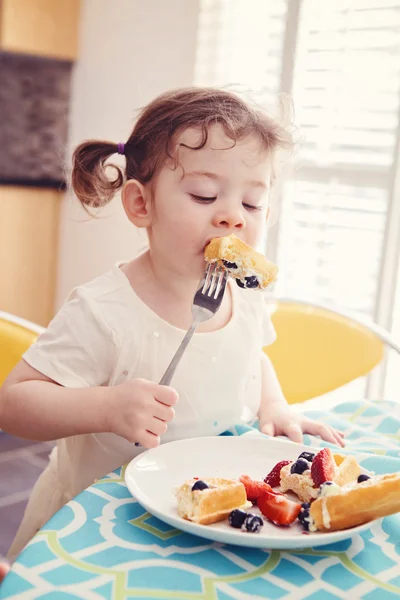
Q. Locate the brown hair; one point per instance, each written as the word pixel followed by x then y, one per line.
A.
pixel 151 142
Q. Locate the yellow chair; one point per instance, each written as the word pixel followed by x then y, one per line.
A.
pixel 319 349
pixel 16 335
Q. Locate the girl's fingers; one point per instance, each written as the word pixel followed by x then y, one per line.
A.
pixel 165 413
pixel 294 432
pixel 268 429
pixel 149 440
pixel 339 438
pixel 336 435
pixel 324 431
pixel 157 426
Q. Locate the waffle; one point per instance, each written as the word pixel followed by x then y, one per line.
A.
pixel 241 261
pixel 356 504
pixel 212 504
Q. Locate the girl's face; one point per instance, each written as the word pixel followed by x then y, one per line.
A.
pixel 215 191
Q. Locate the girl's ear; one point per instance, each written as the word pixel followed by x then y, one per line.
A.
pixel 136 202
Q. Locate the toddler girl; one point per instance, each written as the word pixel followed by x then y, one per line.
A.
pixel 199 165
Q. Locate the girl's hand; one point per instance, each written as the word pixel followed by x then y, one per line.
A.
pixel 139 410
pixel 280 420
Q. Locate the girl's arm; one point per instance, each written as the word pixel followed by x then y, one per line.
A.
pixel 276 417
pixel 35 407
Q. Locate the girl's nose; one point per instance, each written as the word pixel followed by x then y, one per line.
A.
pixel 229 219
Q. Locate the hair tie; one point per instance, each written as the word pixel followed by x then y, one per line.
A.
pixel 121 148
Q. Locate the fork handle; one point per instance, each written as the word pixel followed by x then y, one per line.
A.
pixel 169 373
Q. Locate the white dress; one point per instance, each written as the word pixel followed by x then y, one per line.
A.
pixel 103 335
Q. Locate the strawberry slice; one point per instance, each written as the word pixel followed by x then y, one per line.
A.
pixel 278 509
pixel 274 477
pixel 254 488
pixel 323 467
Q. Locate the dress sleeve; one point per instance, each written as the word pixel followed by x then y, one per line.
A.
pixel 77 349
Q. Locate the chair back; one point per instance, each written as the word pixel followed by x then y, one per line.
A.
pixel 318 350
pixel 16 335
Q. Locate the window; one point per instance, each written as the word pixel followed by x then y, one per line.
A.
pixel 337 237
pixel 231 34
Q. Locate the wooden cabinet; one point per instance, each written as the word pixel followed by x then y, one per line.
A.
pixel 40 27
pixel 29 224
pixel 29 214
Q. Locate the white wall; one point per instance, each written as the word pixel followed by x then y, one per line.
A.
pixel 130 51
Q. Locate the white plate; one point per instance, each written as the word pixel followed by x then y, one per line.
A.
pixel 153 476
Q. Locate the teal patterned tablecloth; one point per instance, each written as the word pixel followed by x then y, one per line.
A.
pixel 103 544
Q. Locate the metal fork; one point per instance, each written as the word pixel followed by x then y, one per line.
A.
pixel 206 302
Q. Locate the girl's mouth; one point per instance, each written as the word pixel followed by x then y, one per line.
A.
pixel 209 240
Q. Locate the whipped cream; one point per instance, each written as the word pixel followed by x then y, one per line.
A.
pixel 329 490
pixel 311 525
pixel 326 517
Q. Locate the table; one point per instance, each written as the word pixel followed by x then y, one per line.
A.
pixel 104 545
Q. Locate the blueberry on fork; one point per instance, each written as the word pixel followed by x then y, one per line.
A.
pixel 230 265
pixel 251 282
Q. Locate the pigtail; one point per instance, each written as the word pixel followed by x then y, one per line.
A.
pixel 90 180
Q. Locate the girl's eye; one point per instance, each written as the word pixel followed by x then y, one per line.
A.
pixel 252 207
pixel 203 199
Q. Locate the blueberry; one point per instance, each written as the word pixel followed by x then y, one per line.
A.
pixel 230 265
pixel 304 515
pixel 326 483
pixel 253 523
pixel 299 466
pixel 251 282
pixel 307 456
pixel 199 485
pixel 363 477
pixel 237 518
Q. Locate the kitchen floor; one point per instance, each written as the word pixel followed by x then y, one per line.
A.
pixel 21 462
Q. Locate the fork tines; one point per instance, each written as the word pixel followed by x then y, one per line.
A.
pixel 213 280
